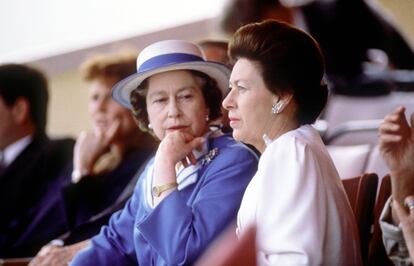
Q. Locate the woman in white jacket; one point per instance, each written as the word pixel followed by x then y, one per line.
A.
pixel 296 198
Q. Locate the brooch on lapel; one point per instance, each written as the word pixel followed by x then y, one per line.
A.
pixel 209 156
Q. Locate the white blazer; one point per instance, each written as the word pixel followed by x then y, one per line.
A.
pixel 299 205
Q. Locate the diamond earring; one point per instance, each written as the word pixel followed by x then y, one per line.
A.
pixel 276 107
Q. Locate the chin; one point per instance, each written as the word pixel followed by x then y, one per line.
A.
pixel 237 136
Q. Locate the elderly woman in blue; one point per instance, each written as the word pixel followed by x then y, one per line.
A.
pixel 193 186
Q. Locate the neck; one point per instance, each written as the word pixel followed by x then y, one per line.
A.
pixel 271 137
pixel 16 135
pixel 283 123
pixel 286 126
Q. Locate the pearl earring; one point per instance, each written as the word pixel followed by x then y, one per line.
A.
pixel 207 118
pixel 149 126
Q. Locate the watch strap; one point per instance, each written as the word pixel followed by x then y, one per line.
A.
pixel 158 190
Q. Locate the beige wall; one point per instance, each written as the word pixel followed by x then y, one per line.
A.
pixel 68 112
pixel 402 12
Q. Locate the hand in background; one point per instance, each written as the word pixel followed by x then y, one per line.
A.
pixel 397 149
pixel 397 142
pixel 90 146
pixel 57 256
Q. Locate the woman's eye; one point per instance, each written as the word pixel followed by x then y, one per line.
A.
pixel 159 100
pixel 241 89
pixel 186 96
pixel 94 97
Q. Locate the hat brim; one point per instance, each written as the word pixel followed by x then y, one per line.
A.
pixel 122 90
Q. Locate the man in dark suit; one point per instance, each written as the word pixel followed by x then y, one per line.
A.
pixel 30 161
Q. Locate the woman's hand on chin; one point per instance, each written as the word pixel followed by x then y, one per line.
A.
pixel 177 146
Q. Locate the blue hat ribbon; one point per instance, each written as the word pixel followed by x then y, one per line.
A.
pixel 167 59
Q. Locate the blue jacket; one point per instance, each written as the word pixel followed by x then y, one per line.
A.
pixel 180 228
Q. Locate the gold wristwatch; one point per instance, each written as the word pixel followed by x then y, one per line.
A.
pixel 158 190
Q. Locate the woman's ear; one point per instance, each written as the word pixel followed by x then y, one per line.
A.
pixel 281 103
pixel 287 98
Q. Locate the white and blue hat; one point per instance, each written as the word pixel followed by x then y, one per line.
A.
pixel 167 56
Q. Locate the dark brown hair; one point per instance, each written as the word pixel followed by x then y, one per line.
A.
pixel 211 94
pixel 17 80
pixel 290 61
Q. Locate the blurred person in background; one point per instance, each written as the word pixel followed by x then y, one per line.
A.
pixel 359 40
pixel 397 217
pixel 215 50
pixel 30 161
pixel 107 156
pixel 105 162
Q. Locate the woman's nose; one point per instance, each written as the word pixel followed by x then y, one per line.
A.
pixel 100 105
pixel 228 102
pixel 173 109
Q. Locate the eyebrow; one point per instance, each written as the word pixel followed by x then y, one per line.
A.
pixel 190 87
pixel 237 81
pixel 185 88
